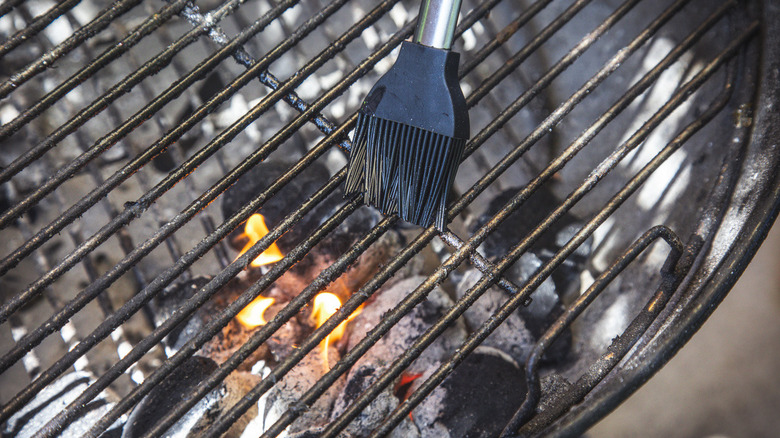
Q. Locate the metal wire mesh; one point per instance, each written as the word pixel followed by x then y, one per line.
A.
pixel 122 122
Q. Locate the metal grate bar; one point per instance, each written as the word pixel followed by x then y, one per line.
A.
pixel 8 5
pixel 98 105
pixel 79 36
pixel 36 26
pixel 186 162
pixel 252 208
pixel 257 252
pixel 317 336
pixel 95 288
pixel 130 212
pixel 476 291
pixel 104 59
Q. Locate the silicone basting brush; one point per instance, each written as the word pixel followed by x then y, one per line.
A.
pixel 413 125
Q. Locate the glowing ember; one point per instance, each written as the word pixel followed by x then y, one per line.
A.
pixel 254 230
pixel 406 381
pixel 251 316
pixel 403 389
pixel 325 305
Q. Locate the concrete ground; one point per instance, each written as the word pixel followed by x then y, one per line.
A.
pixel 726 381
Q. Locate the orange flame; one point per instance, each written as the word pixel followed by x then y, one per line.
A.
pixel 254 230
pixel 325 305
pixel 251 316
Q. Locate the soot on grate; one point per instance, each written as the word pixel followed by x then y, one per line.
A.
pixel 179 258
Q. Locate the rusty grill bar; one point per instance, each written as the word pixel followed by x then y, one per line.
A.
pixel 180 27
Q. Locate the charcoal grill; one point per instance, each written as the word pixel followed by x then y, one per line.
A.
pixel 123 123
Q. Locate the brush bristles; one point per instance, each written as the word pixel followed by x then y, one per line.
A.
pixel 357 158
pixel 403 169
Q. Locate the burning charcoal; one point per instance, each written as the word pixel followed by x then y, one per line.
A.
pixel 171 299
pixel 331 248
pixel 520 224
pixel 178 385
pixel 517 334
pixel 326 251
pixel 476 400
pixel 284 202
pixel 546 306
pixel 513 336
pixel 389 347
pixel 337 243
pixel 287 393
pixel 52 399
pixel 410 327
pixel 237 332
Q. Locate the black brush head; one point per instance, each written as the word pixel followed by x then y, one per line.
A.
pixel 410 135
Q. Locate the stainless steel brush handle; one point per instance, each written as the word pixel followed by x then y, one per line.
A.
pixel 436 23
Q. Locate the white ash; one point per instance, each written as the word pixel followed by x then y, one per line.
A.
pixel 26 422
pixel 392 345
pixel 286 394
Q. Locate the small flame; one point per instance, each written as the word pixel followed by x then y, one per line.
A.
pixel 254 230
pixel 251 316
pixel 325 305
